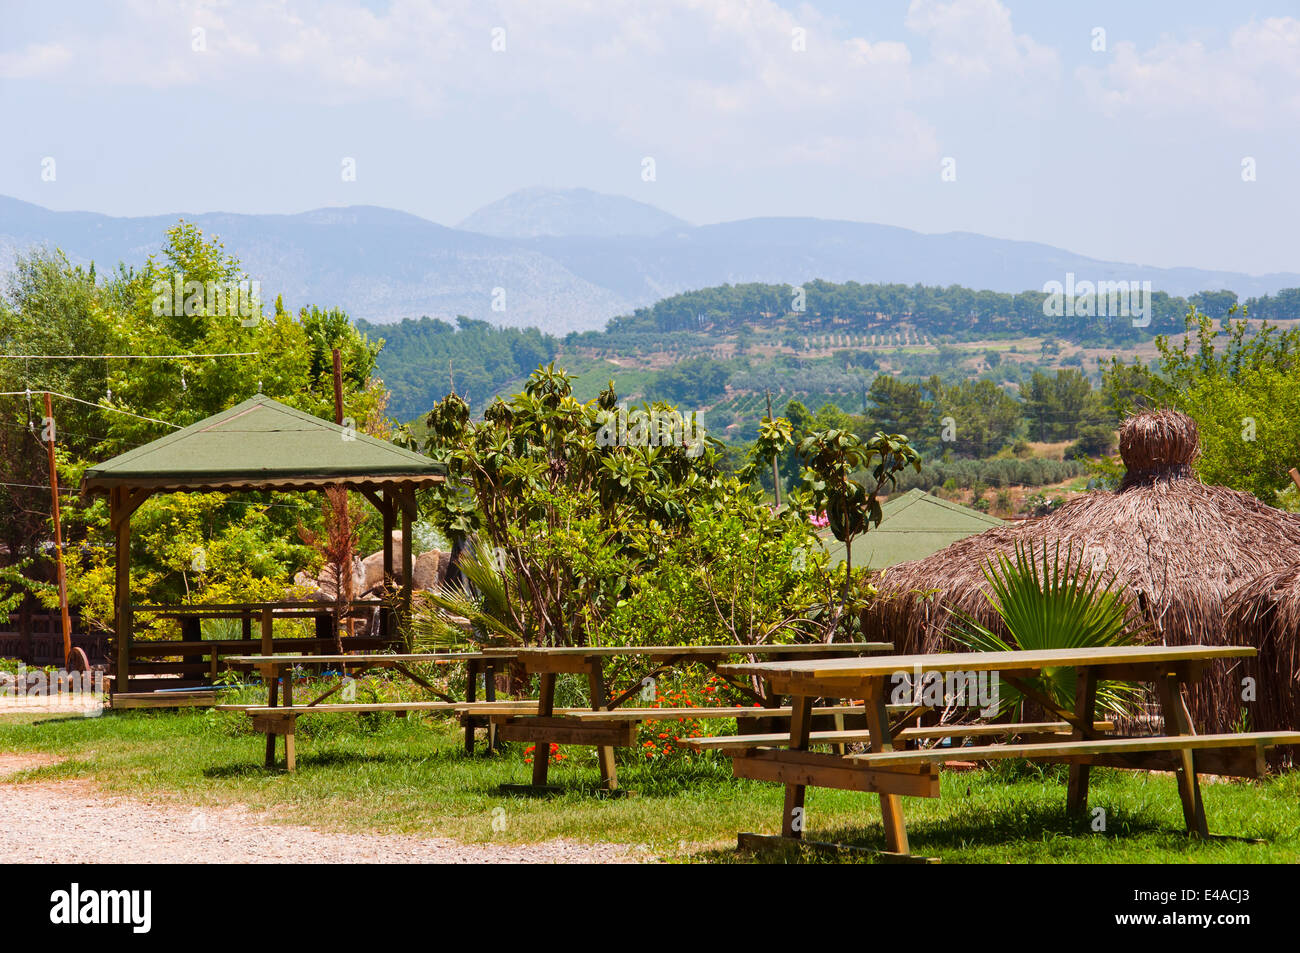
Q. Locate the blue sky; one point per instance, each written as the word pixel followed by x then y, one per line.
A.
pixel 1134 152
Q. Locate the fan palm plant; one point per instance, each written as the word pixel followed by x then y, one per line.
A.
pixel 1048 600
pixel 481 598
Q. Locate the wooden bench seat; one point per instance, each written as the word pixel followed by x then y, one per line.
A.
pixel 681 714
pixel 735 743
pixel 1082 749
pixel 340 707
pixel 507 708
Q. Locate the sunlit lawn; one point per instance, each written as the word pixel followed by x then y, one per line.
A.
pixel 393 774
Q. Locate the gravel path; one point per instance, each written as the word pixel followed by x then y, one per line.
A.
pixel 73 822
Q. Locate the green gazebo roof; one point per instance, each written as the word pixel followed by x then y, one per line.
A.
pixel 262 444
pixel 913 525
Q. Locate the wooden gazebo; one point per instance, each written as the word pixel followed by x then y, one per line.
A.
pixel 259 445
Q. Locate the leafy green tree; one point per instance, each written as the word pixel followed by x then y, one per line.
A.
pixel 831 458
pixel 1239 385
pixel 51 307
pixel 985 417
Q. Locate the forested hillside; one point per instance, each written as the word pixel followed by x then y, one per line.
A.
pixel 426 359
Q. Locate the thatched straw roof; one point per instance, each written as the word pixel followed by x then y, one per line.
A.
pixel 1180 547
pixel 1265 613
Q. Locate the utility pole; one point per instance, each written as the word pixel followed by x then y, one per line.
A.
pixel 776 472
pixel 338 387
pixel 58 531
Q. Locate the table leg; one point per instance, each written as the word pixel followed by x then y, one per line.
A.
pixel 1085 705
pixel 1177 723
pixel 471 695
pixel 289 753
pixel 542 746
pixel 891 807
pixel 605 756
pixel 490 695
pixel 272 694
pixel 792 815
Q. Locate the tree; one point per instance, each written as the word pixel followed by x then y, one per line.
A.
pixel 1240 388
pixel 985 417
pixel 831 457
pixel 571 498
pixel 900 406
pixel 191 548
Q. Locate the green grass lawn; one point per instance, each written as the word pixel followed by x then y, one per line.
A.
pixel 398 775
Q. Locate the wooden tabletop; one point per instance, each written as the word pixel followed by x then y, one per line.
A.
pixel 671 651
pixel 362 659
pixel 884 665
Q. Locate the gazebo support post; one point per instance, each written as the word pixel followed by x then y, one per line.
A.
pixel 406 499
pixel 386 609
pixel 122 502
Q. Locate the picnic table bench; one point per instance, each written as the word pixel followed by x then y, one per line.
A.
pixel 278 717
pixel 889 771
pixel 606 727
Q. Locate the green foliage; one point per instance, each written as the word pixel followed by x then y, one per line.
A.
pixel 424 360
pixel 995 472
pixel 1056 408
pixel 1094 440
pixel 741 575
pixel 1239 386
pixel 244 543
pixel 573 498
pixel 696 381
pixel 1049 600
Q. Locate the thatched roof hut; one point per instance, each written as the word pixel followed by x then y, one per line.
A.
pixel 1265 613
pixel 1180 546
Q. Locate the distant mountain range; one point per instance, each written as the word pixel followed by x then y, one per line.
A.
pixel 570 259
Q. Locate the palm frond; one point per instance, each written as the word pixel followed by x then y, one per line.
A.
pixel 1046 599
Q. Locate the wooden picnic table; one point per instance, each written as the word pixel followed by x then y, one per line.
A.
pixel 275 668
pixel 1078 739
pixel 545 727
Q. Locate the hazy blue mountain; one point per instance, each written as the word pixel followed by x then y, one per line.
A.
pixel 384 265
pixel 530 213
pixel 375 263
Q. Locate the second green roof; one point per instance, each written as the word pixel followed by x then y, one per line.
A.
pixel 913 525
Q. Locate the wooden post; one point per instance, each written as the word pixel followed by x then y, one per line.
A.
pixel 792 817
pixel 604 755
pixel 338 388
pixel 58 532
pixel 472 669
pixel 1177 723
pixel 406 501
pixel 120 518
pixel 1085 704
pixel 542 746
pixel 776 473
pixel 386 610
pixel 1295 476
pixel 891 808
pixel 268 633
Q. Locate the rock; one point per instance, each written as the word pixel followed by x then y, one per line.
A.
pixel 425 570
pixel 329 585
pixel 373 571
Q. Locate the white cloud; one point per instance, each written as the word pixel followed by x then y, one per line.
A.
pixel 675 77
pixel 1249 83
pixel 974 41
pixel 34 60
